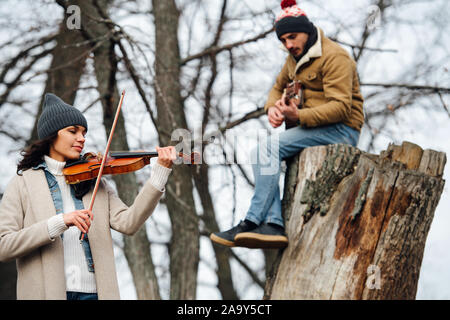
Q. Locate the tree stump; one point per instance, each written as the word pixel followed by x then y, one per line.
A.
pixel 357 222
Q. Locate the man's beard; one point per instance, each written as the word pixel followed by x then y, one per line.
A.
pixel 296 52
pixel 312 39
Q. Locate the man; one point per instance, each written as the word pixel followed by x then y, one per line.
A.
pixel 332 112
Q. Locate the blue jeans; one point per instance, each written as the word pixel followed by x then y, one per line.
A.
pixel 266 203
pixel 81 296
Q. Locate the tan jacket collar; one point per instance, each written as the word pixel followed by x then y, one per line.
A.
pixel 314 52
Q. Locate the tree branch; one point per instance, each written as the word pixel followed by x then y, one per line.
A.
pixel 11 85
pixel 355 46
pixel 408 86
pixel 24 53
pixel 443 103
pixel 251 115
pixel 216 50
pixel 135 77
pixel 249 271
pixel 16 138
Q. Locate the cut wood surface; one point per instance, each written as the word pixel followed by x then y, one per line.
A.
pixel 357 223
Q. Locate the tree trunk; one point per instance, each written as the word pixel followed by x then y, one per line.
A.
pixel 184 245
pixel 357 223
pixel 66 69
pixel 225 281
pixel 137 247
pixel 63 77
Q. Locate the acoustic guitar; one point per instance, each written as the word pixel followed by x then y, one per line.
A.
pixel 293 91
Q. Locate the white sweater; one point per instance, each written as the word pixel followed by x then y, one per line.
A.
pixel 78 277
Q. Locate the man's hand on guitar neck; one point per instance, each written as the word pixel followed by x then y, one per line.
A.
pixel 289 111
pixel 276 118
pixel 281 112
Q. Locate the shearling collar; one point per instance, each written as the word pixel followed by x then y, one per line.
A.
pixel 314 52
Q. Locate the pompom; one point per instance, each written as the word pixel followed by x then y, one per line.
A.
pixel 287 3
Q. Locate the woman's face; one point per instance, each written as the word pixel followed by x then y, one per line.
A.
pixel 68 144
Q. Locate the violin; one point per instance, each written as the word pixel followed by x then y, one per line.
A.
pixel 119 162
pixel 92 166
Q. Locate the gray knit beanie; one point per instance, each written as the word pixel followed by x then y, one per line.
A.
pixel 57 115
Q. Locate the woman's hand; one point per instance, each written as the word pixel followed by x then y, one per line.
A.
pixel 80 218
pixel 166 156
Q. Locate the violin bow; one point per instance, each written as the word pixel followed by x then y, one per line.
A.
pixel 105 155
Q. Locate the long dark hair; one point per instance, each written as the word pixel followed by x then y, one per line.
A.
pixel 34 153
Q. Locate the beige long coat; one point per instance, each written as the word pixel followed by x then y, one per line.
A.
pixel 24 210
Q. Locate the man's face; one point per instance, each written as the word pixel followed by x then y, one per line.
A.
pixel 294 42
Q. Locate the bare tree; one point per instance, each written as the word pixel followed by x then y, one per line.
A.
pixel 206 66
pixel 95 25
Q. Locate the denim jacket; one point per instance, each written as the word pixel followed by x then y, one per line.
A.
pixel 57 200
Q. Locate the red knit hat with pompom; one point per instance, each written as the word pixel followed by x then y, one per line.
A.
pixel 292 19
pixel 290 9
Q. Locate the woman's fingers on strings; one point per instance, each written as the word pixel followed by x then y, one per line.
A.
pixel 167 153
pixel 166 156
pixel 173 153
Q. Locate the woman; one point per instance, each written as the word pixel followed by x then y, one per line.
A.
pixel 41 216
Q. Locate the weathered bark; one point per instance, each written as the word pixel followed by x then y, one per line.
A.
pixel 357 223
pixel 272 257
pixel 184 245
pixel 137 247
